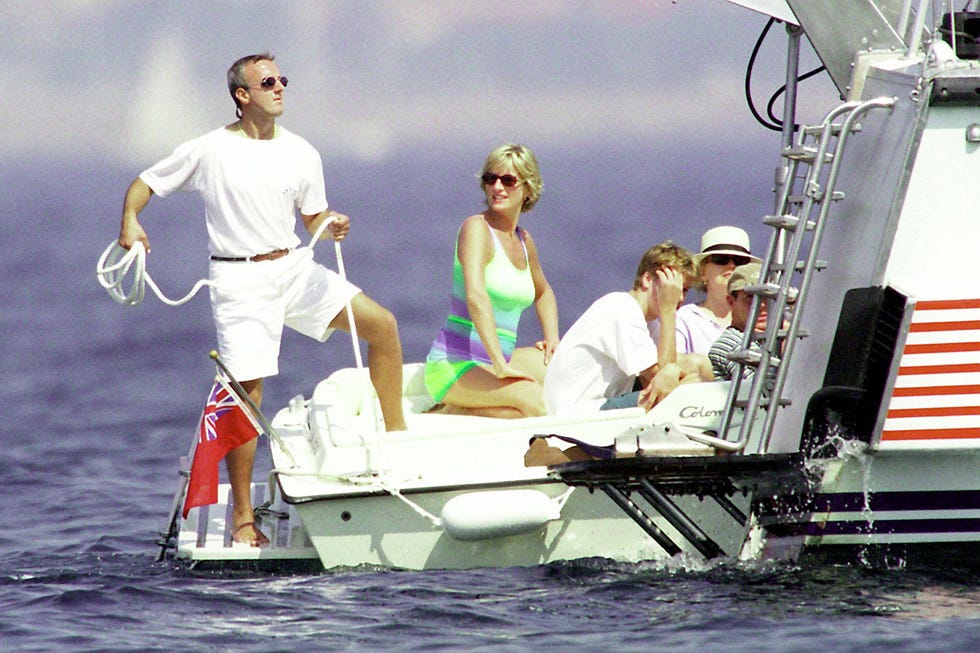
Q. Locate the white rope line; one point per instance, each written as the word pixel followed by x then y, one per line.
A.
pixel 296 473
pixel 562 498
pixel 393 491
pixel 116 263
pixel 354 480
pixel 350 310
pixel 380 483
pixel 374 482
pixel 365 381
pixel 377 483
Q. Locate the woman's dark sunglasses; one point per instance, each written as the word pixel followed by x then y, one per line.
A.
pixel 509 181
pixel 270 82
pixel 724 259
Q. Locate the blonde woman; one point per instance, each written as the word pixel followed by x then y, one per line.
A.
pixel 474 366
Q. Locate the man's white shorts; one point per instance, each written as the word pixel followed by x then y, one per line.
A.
pixel 252 301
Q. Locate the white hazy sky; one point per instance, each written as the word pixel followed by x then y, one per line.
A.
pixel 124 81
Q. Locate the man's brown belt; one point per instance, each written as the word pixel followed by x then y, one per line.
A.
pixel 268 256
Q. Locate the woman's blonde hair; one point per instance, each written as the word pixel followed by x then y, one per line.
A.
pixel 522 159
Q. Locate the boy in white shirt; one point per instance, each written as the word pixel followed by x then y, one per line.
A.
pixel 609 347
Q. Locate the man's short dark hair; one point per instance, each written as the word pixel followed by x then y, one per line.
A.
pixel 236 75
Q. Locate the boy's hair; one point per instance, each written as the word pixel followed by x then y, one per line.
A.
pixel 666 255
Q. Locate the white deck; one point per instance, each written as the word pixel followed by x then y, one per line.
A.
pixel 206 535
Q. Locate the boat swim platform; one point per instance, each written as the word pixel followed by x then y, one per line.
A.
pixel 698 475
pixel 656 478
pixel 206 535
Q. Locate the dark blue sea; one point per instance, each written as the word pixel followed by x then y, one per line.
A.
pixel 99 401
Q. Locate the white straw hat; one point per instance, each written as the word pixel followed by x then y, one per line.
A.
pixel 725 240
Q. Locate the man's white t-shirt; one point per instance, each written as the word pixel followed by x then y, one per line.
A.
pixel 251 188
pixel 600 356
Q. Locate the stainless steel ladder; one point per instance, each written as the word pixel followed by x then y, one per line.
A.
pixel 788 266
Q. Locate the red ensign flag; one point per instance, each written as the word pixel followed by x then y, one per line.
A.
pixel 225 425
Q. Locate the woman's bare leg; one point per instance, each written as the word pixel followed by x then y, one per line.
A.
pixel 480 392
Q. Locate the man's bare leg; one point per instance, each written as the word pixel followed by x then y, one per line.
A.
pixel 376 325
pixel 240 463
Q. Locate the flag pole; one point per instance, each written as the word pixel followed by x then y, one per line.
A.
pixel 184 472
pixel 240 391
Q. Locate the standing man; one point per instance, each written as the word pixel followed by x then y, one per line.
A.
pixel 254 176
pixel 601 356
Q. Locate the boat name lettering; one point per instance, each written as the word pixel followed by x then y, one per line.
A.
pixel 698 411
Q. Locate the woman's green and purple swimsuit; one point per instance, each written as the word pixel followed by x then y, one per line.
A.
pixel 458 346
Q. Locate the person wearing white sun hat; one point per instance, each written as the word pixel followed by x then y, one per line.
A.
pixel 699 325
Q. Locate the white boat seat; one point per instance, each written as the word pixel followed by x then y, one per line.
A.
pixel 339 401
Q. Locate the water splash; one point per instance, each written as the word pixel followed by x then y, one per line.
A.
pixel 856 450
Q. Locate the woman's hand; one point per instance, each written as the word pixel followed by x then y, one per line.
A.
pixel 547 347
pixel 506 371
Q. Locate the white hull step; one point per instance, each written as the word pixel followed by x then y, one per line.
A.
pixel 206 534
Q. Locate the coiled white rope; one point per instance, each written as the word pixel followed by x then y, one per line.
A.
pixel 116 263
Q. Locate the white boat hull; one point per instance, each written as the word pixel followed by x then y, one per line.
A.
pixel 896 498
pixel 368 498
pixel 381 530
pixel 343 512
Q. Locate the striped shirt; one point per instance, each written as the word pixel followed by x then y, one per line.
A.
pixel 729 341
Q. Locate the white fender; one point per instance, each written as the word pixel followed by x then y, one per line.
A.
pixel 498 513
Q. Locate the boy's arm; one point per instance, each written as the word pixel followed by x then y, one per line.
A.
pixel 670 292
